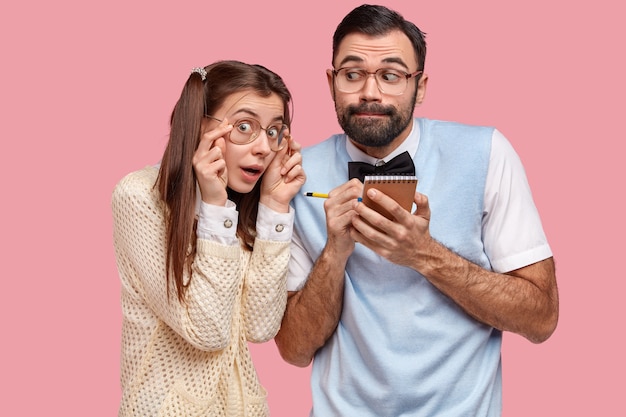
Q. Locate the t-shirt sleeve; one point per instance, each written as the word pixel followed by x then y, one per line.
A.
pixel 512 231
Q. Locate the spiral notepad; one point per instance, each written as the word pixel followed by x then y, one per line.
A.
pixel 399 187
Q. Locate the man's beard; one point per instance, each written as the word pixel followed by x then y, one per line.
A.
pixel 377 131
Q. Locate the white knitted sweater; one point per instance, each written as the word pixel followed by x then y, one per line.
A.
pixel 191 359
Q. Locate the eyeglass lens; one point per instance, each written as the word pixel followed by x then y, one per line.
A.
pixel 247 130
pixel 389 81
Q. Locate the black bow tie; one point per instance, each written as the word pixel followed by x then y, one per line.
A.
pixel 401 164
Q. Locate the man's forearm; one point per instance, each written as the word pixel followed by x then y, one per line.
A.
pixel 524 301
pixel 313 312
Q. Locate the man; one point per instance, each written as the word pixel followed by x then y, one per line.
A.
pixel 405 316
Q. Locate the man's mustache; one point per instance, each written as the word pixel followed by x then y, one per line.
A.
pixel 371 108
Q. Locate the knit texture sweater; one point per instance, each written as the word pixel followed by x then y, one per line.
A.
pixel 191 358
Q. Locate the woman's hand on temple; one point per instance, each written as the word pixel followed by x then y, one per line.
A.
pixel 210 166
pixel 284 177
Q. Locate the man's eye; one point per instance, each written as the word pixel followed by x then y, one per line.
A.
pixel 354 75
pixel 390 76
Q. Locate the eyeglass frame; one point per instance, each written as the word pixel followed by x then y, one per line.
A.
pixel 254 136
pixel 407 75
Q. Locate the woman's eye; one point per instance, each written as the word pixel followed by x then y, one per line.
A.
pixel 244 127
pixel 273 132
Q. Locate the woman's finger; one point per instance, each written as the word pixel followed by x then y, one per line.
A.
pixel 210 136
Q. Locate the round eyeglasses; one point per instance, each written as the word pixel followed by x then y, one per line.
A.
pixel 389 81
pixel 248 129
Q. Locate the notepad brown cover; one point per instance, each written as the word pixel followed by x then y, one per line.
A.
pixel 399 187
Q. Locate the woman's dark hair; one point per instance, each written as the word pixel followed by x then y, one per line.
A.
pixel 176 181
pixel 377 21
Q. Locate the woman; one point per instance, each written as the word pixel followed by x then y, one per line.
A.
pixel 202 245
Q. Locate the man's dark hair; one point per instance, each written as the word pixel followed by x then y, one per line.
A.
pixel 373 20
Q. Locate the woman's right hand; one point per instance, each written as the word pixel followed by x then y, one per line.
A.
pixel 210 166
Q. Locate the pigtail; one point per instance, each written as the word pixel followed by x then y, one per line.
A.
pixel 177 180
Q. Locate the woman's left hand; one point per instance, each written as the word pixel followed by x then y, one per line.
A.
pixel 283 178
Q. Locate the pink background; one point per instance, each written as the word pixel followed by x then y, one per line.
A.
pixel 86 89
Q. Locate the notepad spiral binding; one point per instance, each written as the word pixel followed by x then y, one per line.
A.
pixel 377 179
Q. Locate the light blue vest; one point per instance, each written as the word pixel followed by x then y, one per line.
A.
pixel 401 347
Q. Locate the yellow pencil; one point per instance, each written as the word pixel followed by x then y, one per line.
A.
pixel 318 195
pixel 322 195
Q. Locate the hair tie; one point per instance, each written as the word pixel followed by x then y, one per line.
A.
pixel 200 71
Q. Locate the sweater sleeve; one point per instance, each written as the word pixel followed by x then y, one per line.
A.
pixel 205 318
pixel 265 290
